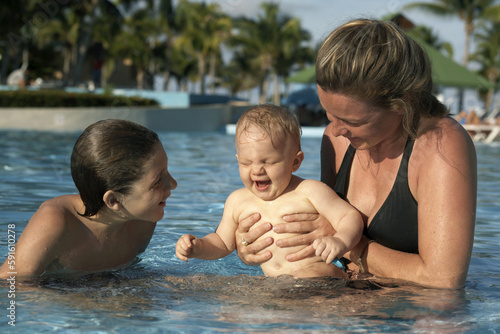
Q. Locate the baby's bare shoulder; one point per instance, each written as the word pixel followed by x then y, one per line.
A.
pixel 312 185
pixel 238 196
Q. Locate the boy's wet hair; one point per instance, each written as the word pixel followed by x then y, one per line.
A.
pixel 110 155
pixel 273 120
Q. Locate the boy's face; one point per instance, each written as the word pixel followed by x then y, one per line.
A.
pixel 148 196
pixel 265 169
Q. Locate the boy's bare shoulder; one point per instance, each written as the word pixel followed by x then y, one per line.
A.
pixel 57 211
pixel 60 204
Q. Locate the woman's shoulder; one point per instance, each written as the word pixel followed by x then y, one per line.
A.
pixel 445 142
pixel 442 133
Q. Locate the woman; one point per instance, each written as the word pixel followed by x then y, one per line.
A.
pixel 392 152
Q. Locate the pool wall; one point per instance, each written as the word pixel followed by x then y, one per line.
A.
pixel 194 118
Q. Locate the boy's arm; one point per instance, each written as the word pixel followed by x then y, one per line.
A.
pixel 38 245
pixel 345 219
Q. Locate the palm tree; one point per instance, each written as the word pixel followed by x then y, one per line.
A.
pixel 469 11
pixel 87 11
pixel 487 55
pixel 62 33
pixel 133 42
pixel 167 26
pixel 204 28
pixel 427 35
pixel 182 65
pixel 267 40
pixel 293 52
pixel 238 75
pixel 13 34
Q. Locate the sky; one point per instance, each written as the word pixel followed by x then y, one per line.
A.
pixel 320 17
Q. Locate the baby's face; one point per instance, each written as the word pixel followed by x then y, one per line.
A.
pixel 266 169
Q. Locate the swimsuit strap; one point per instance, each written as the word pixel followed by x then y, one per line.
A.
pixel 395 225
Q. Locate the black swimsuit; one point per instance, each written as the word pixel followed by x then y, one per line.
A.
pixel 395 225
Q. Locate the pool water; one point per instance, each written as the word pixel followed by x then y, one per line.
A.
pixel 161 294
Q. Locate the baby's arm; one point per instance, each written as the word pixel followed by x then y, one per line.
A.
pixel 214 245
pixel 187 246
pixel 344 218
pixel 210 247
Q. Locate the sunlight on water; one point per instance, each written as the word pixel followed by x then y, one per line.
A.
pixel 163 294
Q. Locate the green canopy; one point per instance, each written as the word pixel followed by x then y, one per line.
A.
pixel 307 75
pixel 445 72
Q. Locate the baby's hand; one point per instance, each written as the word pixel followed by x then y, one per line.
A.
pixel 184 246
pixel 329 248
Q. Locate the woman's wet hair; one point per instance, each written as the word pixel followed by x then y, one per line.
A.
pixel 375 61
pixel 110 155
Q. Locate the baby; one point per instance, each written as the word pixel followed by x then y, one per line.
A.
pixel 268 152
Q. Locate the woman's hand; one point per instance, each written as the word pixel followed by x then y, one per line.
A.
pixel 252 254
pixel 312 226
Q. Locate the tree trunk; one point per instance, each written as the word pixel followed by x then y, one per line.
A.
pixel 276 97
pixel 140 78
pixel 166 76
pixel 468 32
pixel 212 65
pixel 66 64
pixel 201 72
pixel 491 92
pixel 264 86
pixel 4 73
pixel 84 36
pixel 263 92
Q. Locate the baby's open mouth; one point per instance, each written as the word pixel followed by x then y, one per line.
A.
pixel 262 185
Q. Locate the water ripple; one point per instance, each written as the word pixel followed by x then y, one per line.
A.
pixel 162 292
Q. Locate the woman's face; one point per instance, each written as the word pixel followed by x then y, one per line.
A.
pixel 363 124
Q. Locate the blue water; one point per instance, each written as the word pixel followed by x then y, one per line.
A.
pixel 163 294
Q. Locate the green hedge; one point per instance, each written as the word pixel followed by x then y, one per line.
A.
pixel 49 98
